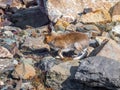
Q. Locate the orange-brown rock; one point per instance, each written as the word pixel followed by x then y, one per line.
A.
pixel 24 71
pixel 61 25
pixel 98 16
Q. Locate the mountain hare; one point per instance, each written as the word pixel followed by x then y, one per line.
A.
pixel 68 41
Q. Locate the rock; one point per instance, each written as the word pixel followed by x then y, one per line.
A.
pixel 6 65
pixel 24 71
pixel 61 25
pixel 62 77
pixel 1 83
pixel 58 74
pixel 71 27
pixel 30 16
pixel 116 12
pixel 12 3
pixel 10 44
pixel 91 29
pixel 4 53
pixel 99 72
pixel 26 86
pixel 8 33
pixel 11 28
pixel 70 9
pixel 115 32
pixel 98 16
pixel 29 3
pixel 108 26
pixel 35 43
pixel 47 63
pixel 110 50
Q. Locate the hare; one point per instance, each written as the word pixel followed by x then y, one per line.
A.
pixel 68 41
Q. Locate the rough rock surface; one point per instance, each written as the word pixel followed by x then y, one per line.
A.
pixel 116 12
pixel 6 64
pixel 99 72
pixel 115 32
pixel 62 77
pixel 12 3
pixel 47 63
pixel 58 74
pixel 70 8
pixel 96 17
pixel 4 53
pixel 110 50
pixel 24 71
pixel 35 43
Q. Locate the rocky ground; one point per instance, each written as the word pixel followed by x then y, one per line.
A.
pixel 26 62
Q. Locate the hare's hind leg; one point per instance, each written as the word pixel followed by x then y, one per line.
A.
pixel 81 53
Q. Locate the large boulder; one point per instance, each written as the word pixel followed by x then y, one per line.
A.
pixel 59 74
pixel 62 77
pixel 29 17
pixel 99 72
pixel 69 9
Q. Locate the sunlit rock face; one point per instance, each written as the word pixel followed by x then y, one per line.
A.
pixel 69 9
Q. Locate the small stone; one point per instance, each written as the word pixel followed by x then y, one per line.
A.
pixel 8 34
pixel 1 83
pixel 6 65
pixel 61 25
pixel 4 53
pixel 15 62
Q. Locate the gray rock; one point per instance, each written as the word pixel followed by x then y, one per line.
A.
pixel 61 77
pixel 47 63
pixel 110 50
pixel 34 43
pixel 99 72
pixel 6 64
